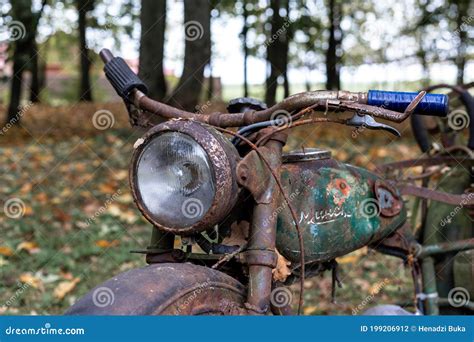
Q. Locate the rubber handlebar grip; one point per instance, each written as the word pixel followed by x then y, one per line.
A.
pixel 431 104
pixel 122 78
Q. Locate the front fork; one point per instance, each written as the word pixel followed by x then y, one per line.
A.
pixel 254 174
pixel 258 176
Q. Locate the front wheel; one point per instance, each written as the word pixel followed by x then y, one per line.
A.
pixel 165 289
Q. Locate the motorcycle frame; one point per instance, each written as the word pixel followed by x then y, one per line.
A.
pixel 259 255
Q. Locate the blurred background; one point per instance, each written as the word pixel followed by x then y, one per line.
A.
pixel 68 221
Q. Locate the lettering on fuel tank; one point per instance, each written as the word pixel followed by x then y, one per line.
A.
pixel 324 216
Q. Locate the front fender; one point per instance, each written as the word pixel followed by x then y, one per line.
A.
pixel 150 290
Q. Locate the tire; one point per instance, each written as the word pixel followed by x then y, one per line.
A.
pixel 165 289
pixel 419 130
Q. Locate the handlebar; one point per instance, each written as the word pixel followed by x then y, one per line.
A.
pixel 393 106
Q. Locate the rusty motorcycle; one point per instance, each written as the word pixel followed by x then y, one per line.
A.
pixel 235 219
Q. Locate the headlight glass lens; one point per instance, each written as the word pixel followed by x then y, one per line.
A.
pixel 174 179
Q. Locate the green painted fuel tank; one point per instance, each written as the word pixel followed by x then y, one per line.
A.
pixel 340 207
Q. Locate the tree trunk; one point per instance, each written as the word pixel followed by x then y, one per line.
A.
pixel 152 46
pixel 334 44
pixel 85 91
pixel 462 14
pixel 277 51
pixel 38 68
pixel 23 50
pixel 197 52
pixel 21 11
pixel 35 87
pixel 16 88
pixel 210 83
pixel 289 36
pixel 245 30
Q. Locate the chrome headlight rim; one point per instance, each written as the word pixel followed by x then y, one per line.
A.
pixel 223 158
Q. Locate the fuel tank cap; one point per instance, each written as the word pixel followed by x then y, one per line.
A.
pixel 306 154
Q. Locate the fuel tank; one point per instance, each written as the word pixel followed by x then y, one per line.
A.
pixel 339 207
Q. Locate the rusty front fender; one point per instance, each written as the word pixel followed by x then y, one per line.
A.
pixel 164 289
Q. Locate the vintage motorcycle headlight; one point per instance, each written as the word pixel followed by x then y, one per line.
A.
pixel 183 176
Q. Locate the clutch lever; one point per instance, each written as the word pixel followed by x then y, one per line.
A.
pixel 361 120
pixel 362 117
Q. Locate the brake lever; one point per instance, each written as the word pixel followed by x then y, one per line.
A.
pixel 361 120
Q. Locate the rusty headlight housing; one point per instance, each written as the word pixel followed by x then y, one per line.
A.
pixel 183 176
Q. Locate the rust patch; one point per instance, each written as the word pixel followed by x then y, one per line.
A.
pixel 340 190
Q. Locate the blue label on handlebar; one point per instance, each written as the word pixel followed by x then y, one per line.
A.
pixel 432 104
